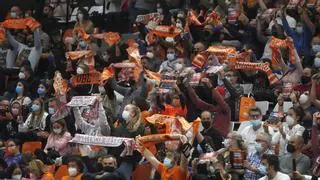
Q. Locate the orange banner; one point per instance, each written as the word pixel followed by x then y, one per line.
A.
pixel 107 73
pixel 111 38
pixel 223 53
pixel 153 75
pixel 91 78
pixel 76 55
pixel 21 23
pixel 166 31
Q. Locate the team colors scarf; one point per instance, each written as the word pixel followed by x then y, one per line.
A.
pixel 276 44
pixel 258 66
pixel 21 23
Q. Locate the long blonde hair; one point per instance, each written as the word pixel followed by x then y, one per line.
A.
pixel 33 114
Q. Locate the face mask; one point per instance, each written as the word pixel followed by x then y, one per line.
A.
pixel 13 15
pixel 82 45
pixel 317 62
pixel 263 169
pixel 18 176
pixel 80 17
pixel 159 10
pixel 72 171
pixel 102 90
pixel 258 147
pixel 126 115
pixel 305 79
pixel 179 25
pixel 316 48
pixel 180 15
pixel 227 143
pixel 256 123
pixel 170 56
pixel 22 75
pixel 303 99
pixel 19 90
pixel 41 91
pixel 15 112
pixel 57 131
pixel 291 148
pixel 150 55
pixel 289 120
pixel 167 162
pixel 108 169
pixel 299 29
pixel 51 110
pixel 35 108
pixel 228 79
pixel 80 70
pixel 206 124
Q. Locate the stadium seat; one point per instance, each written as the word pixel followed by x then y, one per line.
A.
pixel 31 147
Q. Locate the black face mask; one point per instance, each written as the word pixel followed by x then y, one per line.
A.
pixel 108 169
pixel 305 79
pixel 132 82
pixel 206 124
pixel 291 148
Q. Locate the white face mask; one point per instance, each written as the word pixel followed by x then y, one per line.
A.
pixel 102 90
pixel 51 110
pixel 126 115
pixel 171 56
pixel 17 177
pixel 289 120
pixel 317 62
pixel 160 10
pixel 21 75
pixel 299 29
pixel 80 17
pixel 80 70
pixel 180 15
pixel 57 131
pixel 303 99
pixel 150 55
pixel 13 15
pixel 72 171
pixel 316 48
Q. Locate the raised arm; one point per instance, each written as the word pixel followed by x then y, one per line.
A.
pixel 306 20
pixel 197 101
pixel 262 5
pixel 37 39
pixel 12 42
pixel 122 90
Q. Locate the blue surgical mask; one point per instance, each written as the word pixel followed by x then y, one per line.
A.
pixel 35 107
pixel 51 110
pixel 167 162
pixel 256 122
pixel 41 91
pixel 262 169
pixel 316 48
pixel 19 90
pixel 83 44
pixel 317 62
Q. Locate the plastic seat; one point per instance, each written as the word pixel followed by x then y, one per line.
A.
pixel 62 171
pixel 142 172
pixel 31 147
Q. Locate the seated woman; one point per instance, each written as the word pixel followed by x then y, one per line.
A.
pixel 36 126
pixel 58 138
pixel 13 151
pixel 39 171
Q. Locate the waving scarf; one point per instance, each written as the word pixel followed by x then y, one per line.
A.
pixel 276 44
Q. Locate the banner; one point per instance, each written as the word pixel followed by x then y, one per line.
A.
pixel 76 55
pixel 144 19
pixel 21 24
pixel 107 141
pixel 111 38
pixel 77 101
pixel 166 31
pixel 91 78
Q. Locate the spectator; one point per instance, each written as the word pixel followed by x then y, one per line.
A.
pixel 14 155
pixel 38 170
pixel 271 162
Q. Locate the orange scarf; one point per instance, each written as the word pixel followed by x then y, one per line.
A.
pixel 166 31
pixel 258 66
pixel 282 43
pixel 21 23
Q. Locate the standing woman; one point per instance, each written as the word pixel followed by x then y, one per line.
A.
pixel 36 126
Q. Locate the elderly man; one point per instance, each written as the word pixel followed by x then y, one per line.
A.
pixel 254 167
pixel 303 163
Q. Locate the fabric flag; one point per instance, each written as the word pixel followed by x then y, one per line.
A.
pixel 107 73
pixel 111 38
pixel 91 78
pixel 76 55
pixel 107 141
pixel 166 31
